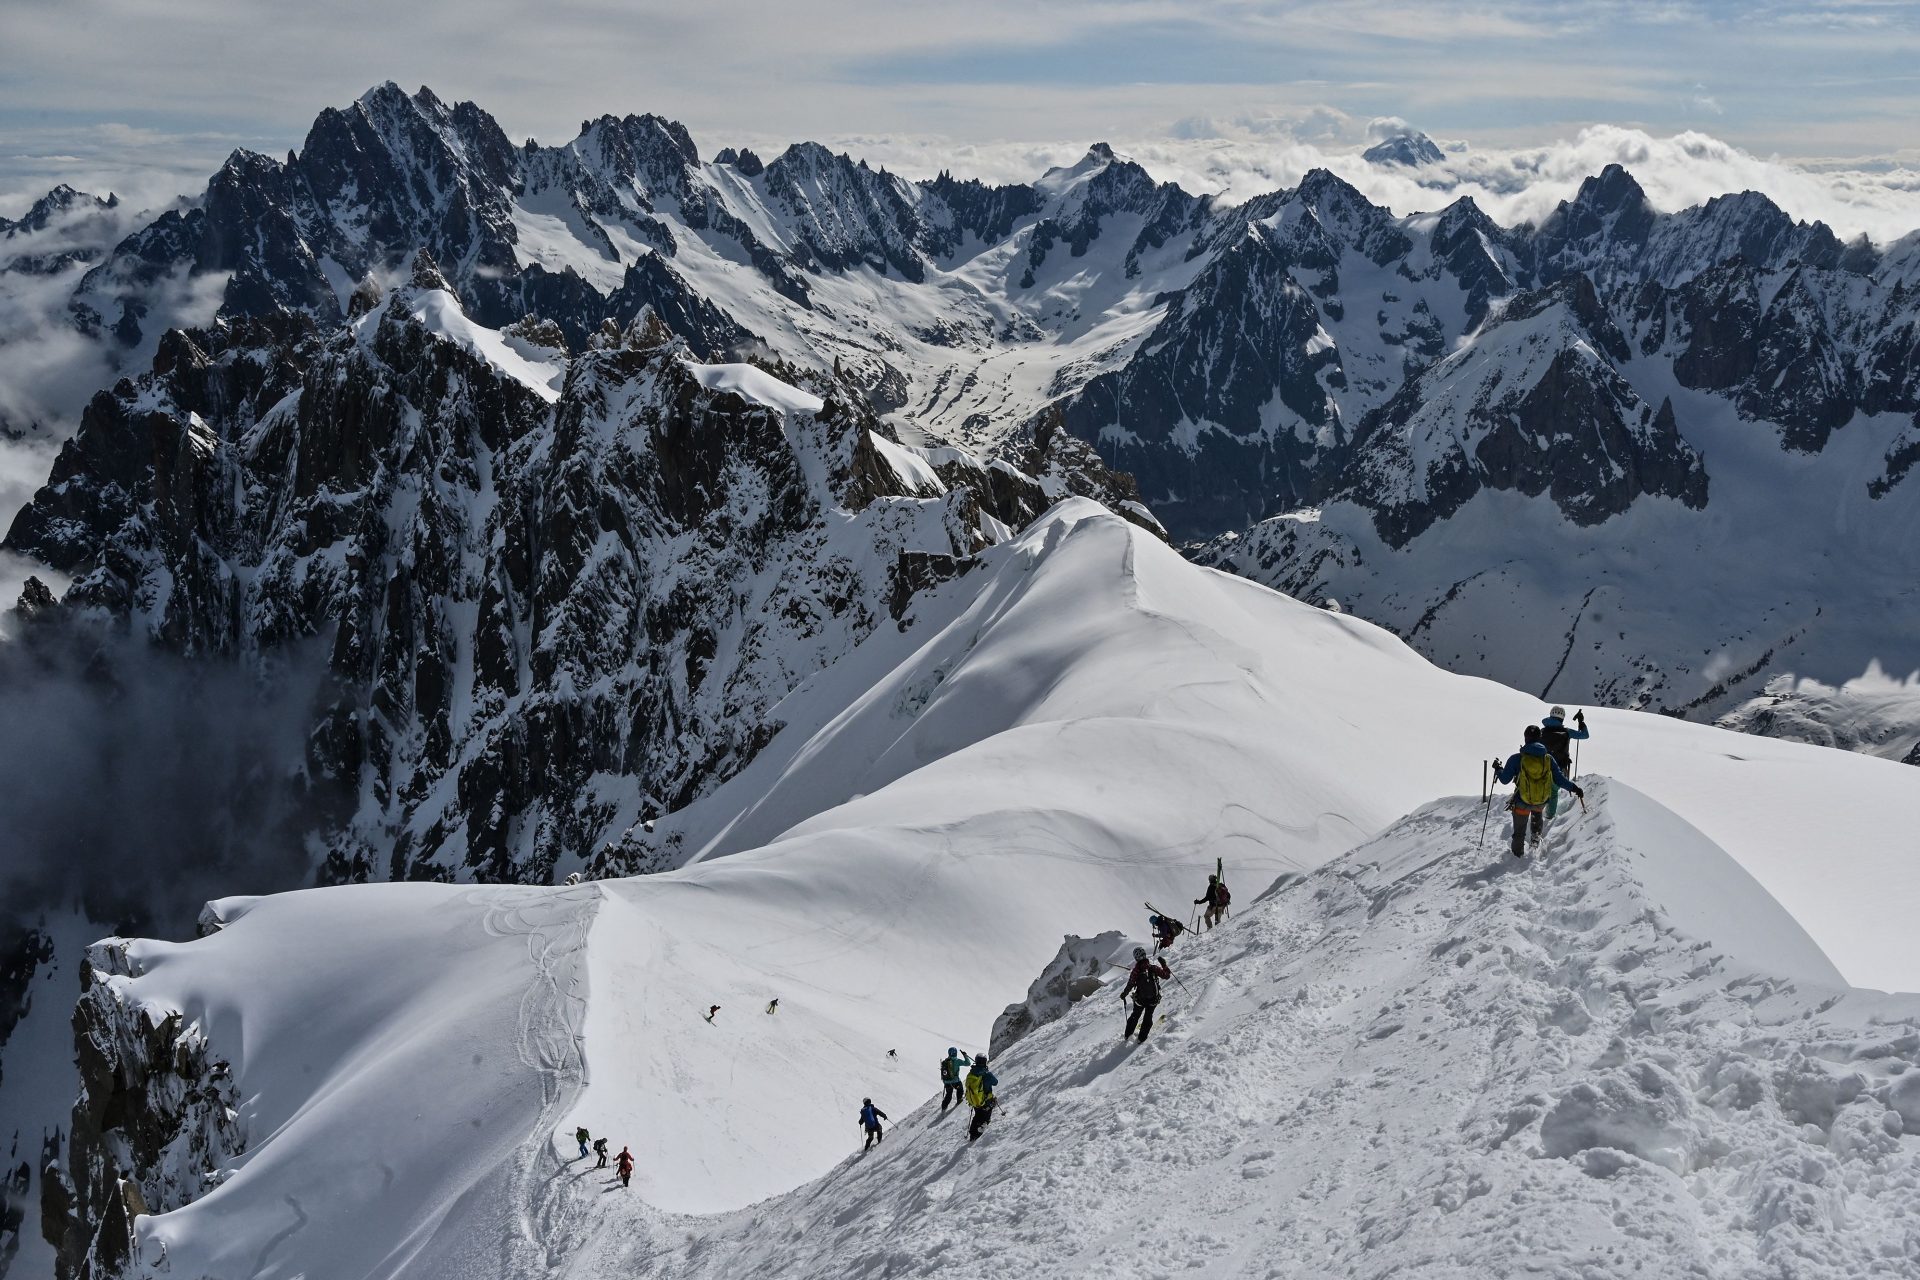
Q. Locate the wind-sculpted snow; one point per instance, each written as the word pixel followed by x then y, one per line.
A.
pixel 1079 722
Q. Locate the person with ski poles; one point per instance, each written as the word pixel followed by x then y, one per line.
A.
pixel 580 1136
pixel 1216 897
pixel 623 1165
pixel 870 1118
pixel 980 1096
pixel 1560 739
pixel 1143 984
pixel 952 1068
pixel 600 1149
pixel 1537 778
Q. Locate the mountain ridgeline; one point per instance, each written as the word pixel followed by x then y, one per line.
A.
pixel 449 421
pixel 1239 360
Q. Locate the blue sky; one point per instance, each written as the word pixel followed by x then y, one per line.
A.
pixel 149 97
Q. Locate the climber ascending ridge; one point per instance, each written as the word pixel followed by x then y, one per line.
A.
pixel 1536 777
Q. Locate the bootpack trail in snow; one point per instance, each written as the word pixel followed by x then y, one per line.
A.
pixel 1419 1061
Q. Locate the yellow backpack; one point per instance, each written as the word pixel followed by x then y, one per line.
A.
pixel 1535 781
pixel 977 1094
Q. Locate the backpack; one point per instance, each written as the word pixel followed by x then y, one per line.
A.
pixel 1534 782
pixel 977 1094
pixel 1146 985
pixel 1559 744
pixel 1222 897
pixel 949 1071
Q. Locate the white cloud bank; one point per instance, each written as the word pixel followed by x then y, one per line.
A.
pixel 1252 154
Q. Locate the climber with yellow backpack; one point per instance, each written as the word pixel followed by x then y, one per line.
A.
pixel 1536 779
pixel 980 1085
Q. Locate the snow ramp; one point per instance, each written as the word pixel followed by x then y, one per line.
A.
pixel 1425 1059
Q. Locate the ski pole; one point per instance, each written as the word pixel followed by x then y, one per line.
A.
pixel 1486 803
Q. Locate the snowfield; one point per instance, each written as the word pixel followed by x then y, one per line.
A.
pixel 1422 1058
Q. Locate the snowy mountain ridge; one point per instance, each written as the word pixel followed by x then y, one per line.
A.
pixel 1184 337
pixel 1303 350
pixel 1082 721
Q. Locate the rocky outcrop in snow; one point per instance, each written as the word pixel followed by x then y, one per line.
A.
pixel 1082 968
pixel 155 1127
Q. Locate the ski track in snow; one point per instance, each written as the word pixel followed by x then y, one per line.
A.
pixel 549 1036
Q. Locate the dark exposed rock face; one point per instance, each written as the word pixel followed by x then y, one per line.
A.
pixel 156 1121
pixel 1277 327
pixel 535 595
pixel 1535 404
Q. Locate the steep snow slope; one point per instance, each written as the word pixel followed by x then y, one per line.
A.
pixel 1421 1060
pixel 1083 721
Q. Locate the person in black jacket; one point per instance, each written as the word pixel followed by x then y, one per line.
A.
pixel 1216 897
pixel 1143 984
pixel 870 1118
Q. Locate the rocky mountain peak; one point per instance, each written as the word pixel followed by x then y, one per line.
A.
pixel 424 273
pixel 1409 150
pixel 58 203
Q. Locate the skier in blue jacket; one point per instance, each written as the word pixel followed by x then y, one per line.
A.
pixel 870 1118
pixel 1537 780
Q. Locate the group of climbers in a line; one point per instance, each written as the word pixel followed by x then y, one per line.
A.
pixel 622 1165
pixel 1539 771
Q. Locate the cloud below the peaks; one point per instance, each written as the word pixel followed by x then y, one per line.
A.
pixel 1244 157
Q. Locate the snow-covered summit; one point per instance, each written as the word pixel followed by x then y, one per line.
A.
pixel 1081 721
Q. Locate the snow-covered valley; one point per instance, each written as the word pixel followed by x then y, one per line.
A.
pixel 1634 1034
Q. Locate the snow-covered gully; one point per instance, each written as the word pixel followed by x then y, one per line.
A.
pixel 1424 1059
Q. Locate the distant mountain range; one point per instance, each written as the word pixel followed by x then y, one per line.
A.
pixel 1639 457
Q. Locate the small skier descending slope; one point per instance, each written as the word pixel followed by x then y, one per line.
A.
pixel 870 1118
pixel 1143 984
pixel 1536 777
